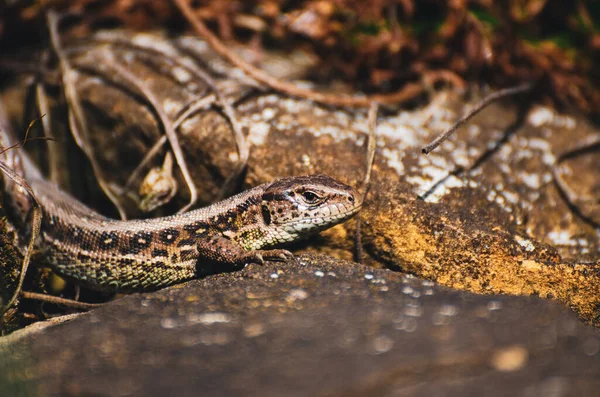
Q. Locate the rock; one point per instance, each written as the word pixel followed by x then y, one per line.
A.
pixel 324 327
pixel 484 213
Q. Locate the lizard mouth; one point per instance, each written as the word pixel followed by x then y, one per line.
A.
pixel 328 216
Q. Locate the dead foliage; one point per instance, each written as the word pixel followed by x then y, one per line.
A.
pixel 379 45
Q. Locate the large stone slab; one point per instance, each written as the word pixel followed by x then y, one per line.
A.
pixel 482 213
pixel 323 327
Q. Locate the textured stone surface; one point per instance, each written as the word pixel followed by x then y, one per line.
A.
pixel 483 213
pixel 323 328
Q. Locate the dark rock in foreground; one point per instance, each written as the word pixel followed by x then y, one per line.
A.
pixel 507 206
pixel 321 328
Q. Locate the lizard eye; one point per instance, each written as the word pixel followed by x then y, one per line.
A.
pixel 310 197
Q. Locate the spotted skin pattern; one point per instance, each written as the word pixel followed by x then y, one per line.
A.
pixel 148 254
pixel 136 255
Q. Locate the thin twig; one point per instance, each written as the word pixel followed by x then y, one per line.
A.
pixel 76 114
pixel 57 300
pixel 36 210
pixel 491 148
pixel 20 144
pixel 241 143
pixel 479 107
pixel 243 151
pixel 165 121
pixel 54 161
pixel 371 146
pixel 358 246
pixel 573 200
pixel 148 157
pixel 36 223
pixel 156 148
pixel 195 107
pixel 8 342
pixel 409 91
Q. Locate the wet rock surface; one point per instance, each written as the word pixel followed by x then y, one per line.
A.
pixel 326 327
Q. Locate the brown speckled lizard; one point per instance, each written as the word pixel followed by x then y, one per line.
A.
pixel 136 255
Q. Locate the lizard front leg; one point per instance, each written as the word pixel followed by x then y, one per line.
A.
pixel 220 249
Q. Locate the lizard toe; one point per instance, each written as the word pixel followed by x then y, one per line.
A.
pixel 258 258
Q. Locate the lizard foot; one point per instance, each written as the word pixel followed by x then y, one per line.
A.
pixel 259 256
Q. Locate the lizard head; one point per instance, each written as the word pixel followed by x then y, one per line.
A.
pixel 299 206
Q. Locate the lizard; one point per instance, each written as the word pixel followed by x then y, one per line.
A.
pixel 138 255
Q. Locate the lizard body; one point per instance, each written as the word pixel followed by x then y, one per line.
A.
pixel 146 254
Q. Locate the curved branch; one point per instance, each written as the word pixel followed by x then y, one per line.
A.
pixel 409 91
